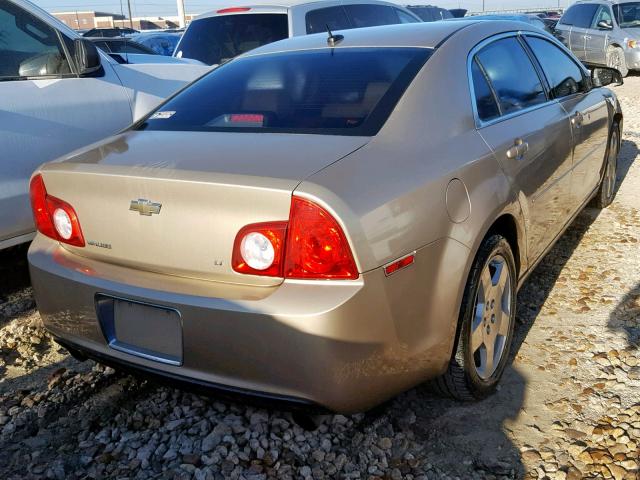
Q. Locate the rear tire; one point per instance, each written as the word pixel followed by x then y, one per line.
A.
pixel 483 338
pixel 607 189
pixel 617 60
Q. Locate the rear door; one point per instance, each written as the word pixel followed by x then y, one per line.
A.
pixel 528 133
pixel 46 110
pixel 587 110
pixel 581 30
pixel 598 37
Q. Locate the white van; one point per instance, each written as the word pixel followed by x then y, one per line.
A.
pixel 58 92
pixel 220 35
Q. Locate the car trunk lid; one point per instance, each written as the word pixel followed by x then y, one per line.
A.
pixel 172 203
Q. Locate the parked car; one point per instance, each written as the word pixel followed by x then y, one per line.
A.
pixel 603 32
pixel 161 43
pixel 127 50
pixel 58 93
pixel 218 36
pixel 532 20
pixel 304 223
pixel 430 13
pixel 458 12
pixel 121 45
pixel 110 32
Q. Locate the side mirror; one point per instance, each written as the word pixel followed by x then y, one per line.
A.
pixel 604 25
pixel 86 56
pixel 603 76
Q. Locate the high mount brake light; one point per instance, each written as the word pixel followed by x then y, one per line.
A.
pixel 53 217
pixel 234 10
pixel 311 245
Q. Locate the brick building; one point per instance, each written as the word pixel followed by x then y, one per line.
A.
pixel 88 19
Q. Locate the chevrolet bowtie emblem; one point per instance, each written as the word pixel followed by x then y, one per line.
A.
pixel 145 207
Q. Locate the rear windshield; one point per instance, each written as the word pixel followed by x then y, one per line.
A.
pixel 213 40
pixel 344 91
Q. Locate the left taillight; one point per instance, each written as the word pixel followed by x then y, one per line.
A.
pixel 54 217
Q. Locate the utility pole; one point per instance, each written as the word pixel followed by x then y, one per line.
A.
pixel 181 17
pixel 130 17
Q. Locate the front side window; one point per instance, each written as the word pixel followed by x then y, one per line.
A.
pixel 349 91
pixel 564 76
pixel 603 15
pixel 627 14
pixel 512 75
pixel 333 17
pixel 28 46
pixel 213 40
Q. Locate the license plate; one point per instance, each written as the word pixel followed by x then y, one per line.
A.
pixel 147 331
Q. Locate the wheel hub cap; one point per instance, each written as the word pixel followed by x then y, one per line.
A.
pixel 492 319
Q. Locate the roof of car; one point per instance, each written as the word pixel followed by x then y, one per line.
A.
pixel 600 2
pixel 269 6
pixel 421 35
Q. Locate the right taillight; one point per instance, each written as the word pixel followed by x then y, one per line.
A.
pixel 311 245
pixel 316 246
pixel 53 217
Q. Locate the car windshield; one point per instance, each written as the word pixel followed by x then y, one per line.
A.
pixel 347 91
pixel 213 40
pixel 628 14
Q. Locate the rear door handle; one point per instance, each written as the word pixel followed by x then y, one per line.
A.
pixel 587 37
pixel 577 120
pixel 519 149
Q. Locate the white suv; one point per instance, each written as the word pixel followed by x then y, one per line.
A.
pixel 217 36
pixel 58 93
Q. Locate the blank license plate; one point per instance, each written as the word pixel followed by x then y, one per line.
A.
pixel 144 330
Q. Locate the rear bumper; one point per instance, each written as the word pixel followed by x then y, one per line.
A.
pixel 345 346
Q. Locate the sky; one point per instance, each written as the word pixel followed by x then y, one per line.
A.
pixel 168 7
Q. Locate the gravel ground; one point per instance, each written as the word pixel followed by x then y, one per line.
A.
pixel 568 408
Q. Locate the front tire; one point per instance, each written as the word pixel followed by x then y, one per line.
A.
pixel 617 60
pixel 486 323
pixel 607 189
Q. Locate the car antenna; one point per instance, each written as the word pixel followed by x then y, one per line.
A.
pixel 333 39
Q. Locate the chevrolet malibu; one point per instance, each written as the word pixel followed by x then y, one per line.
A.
pixel 330 219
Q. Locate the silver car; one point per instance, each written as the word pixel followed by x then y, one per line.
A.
pixel 217 36
pixel 329 219
pixel 602 32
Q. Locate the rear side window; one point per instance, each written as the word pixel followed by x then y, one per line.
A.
pixel 564 76
pixel 214 40
pixel 363 15
pixel 486 105
pixel 579 15
pixel 512 75
pixel 348 91
pixel 404 17
pixel 334 17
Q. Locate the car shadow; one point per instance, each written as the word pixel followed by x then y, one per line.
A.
pixel 14 271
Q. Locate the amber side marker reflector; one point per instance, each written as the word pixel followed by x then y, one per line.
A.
pixel 399 264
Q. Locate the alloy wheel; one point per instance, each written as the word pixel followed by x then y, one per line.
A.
pixel 492 316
